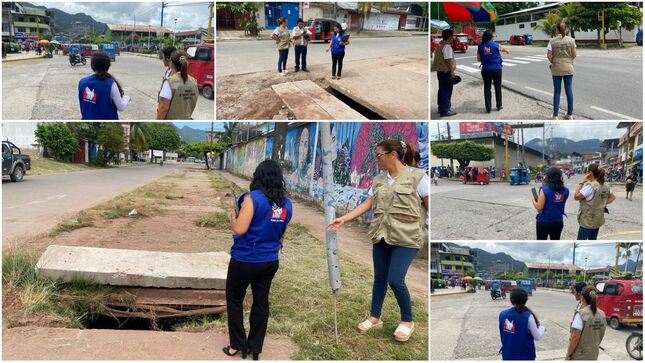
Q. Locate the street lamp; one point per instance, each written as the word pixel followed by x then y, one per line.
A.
pixel 148 36
pixel 584 272
pixel 174 36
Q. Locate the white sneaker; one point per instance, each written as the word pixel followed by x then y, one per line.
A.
pixel 285 72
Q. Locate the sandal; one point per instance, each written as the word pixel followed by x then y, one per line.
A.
pixel 367 325
pixel 405 330
pixel 227 351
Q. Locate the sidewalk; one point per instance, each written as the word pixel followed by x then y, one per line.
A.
pixel 12 57
pixel 224 35
pixel 448 292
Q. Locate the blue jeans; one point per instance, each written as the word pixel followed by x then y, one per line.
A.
pixel 301 52
pixel 587 234
pixel 391 264
pixel 444 93
pixel 283 54
pixel 568 89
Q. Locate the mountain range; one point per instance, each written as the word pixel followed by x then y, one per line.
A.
pixel 63 21
pixel 567 145
pixel 190 135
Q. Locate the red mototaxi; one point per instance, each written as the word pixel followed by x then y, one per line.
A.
pixel 435 39
pixel 460 43
pixel 483 177
pixel 621 301
pixel 517 40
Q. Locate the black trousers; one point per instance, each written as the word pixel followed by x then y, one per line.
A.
pixel 493 76
pixel 240 276
pixel 337 58
pixel 551 230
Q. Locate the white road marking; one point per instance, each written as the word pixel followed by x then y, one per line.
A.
pixel 540 91
pixel 509 82
pixel 472 56
pixel 53 197
pixel 529 59
pixel 467 69
pixel 536 58
pixel 514 61
pixel 612 113
pixel 538 55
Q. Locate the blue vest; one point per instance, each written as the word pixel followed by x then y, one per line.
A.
pixel 261 242
pixel 554 206
pixel 489 55
pixel 94 97
pixel 336 48
pixel 517 342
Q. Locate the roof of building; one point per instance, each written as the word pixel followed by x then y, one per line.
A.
pixel 552 266
pixel 138 28
pixel 537 8
pixel 497 138
pixel 189 32
pixel 597 270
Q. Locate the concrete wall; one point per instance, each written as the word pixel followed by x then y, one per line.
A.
pixel 378 21
pixel 353 157
pixel 504 32
pixel 20 133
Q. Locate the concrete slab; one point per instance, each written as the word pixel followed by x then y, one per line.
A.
pixel 136 268
pixel 308 101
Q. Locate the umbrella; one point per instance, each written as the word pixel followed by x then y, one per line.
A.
pixel 467 12
pixel 439 24
pixel 55 42
pixel 43 41
pixel 468 278
pixel 479 278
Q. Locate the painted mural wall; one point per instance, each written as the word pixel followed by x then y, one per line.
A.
pixel 354 161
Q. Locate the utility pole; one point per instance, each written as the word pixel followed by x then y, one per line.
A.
pixel 506 153
pixel 523 153
pixel 616 272
pixel 134 22
pixel 548 270
pixel 279 138
pixel 163 5
pixel 575 244
pixel 452 170
pixel 543 142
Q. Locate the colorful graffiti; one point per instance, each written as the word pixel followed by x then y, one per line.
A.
pixel 353 158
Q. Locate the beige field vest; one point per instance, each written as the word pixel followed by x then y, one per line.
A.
pixel 398 211
pixel 562 50
pixel 592 213
pixel 302 40
pixel 438 63
pixel 284 39
pixel 593 330
pixel 184 97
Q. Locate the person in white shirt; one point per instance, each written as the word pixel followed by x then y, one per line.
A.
pixel 300 37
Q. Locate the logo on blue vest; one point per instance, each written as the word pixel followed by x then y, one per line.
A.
pixel 89 95
pixel 509 327
pixel 278 214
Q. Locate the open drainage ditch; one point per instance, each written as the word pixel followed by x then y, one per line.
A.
pixel 135 323
pixel 355 105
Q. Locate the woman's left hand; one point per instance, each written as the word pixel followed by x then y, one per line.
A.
pixel 232 216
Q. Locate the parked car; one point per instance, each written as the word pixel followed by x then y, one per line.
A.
pixel 14 163
pixel 517 40
pixel 321 29
pixel 622 301
pixel 201 66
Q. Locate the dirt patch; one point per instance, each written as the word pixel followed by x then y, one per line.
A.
pixel 14 313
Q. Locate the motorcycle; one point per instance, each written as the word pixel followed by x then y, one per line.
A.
pixel 495 293
pixel 76 59
pixel 539 178
pixel 634 345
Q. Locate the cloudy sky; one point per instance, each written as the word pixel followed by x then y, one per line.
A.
pixel 190 15
pixel 598 254
pixel 573 130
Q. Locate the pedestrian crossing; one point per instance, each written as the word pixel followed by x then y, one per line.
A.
pixel 507 62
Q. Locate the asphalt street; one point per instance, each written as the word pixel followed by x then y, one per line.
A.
pixel 47 89
pixel 607 85
pixel 36 204
pixel 240 57
pixel 499 211
pixel 465 327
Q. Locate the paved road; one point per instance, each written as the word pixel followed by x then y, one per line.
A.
pixel 238 57
pixel 465 327
pixel 35 205
pixel 499 211
pixel 605 86
pixel 47 89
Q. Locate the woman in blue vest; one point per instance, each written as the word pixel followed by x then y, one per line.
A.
pixel 337 47
pixel 550 206
pixel 519 328
pixel 100 95
pixel 259 228
pixel 491 64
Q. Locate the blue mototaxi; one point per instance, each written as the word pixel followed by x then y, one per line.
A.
pixel 518 175
pixel 526 285
pixel 109 49
pixel 528 38
pixel 74 49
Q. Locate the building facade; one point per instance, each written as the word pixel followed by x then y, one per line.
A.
pixel 22 23
pixel 630 148
pixel 447 260
pixel 535 270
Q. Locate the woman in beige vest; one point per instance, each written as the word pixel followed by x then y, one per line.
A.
pixel 561 52
pixel 587 329
pixel 179 92
pixel 399 199
pixel 282 38
pixel 594 196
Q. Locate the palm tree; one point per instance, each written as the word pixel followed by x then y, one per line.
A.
pixel 639 248
pixel 230 129
pixel 569 14
pixel 626 255
pixel 139 137
pixel 548 23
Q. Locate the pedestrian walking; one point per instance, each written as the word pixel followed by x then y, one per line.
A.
pixel 519 328
pixel 282 40
pixel 445 65
pixel 587 329
pixel 337 46
pixel 300 36
pixel 179 92
pixel 550 205
pixel 435 177
pixel 399 199
pixel 594 196
pixel 561 52
pixel 259 228
pixel 488 53
pixel 630 185
pixel 100 95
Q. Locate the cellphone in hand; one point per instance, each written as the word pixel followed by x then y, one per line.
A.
pixel 535 194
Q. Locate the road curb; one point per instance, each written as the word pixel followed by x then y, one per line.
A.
pixel 142 55
pixel 450 293
pixel 22 59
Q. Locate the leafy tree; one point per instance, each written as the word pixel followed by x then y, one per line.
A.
pixel 230 129
pixel 110 138
pixel 246 9
pixel 629 17
pixel 508 7
pixel 548 23
pixel 464 152
pixel 163 136
pixel 57 139
pixel 140 136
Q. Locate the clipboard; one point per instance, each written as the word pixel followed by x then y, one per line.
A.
pixel 235 197
pixel 535 194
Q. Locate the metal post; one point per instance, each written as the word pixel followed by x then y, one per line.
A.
pixel 148 36
pixel 506 132
pixel 333 255
pixel 543 142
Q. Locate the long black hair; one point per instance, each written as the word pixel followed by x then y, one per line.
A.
pixel 553 179
pixel 519 297
pixel 268 178
pixel 100 63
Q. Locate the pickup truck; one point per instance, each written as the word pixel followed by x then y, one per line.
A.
pixel 14 164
